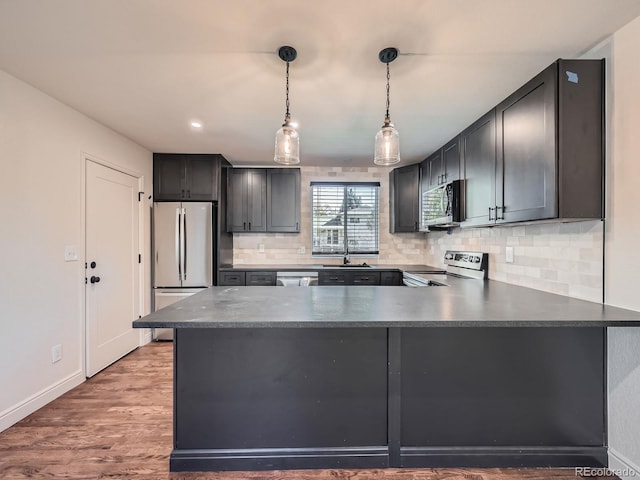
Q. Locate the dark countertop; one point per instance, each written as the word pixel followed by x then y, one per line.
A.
pixel 320 266
pixel 464 303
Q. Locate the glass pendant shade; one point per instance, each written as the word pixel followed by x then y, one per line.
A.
pixel 287 145
pixel 387 146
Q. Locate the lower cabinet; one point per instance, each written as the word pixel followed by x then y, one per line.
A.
pixel 231 278
pixel 248 278
pixel 325 277
pixel 266 279
pixel 391 279
pixel 332 277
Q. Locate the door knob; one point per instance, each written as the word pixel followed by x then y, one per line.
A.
pixel 92 264
pixel 94 279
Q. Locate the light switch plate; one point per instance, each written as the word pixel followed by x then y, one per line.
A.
pixel 261 247
pixel 509 255
pixel 70 253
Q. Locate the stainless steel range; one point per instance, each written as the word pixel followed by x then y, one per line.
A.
pixel 471 265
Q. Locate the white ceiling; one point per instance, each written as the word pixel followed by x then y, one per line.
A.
pixel 147 68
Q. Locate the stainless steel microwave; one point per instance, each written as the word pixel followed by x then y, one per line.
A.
pixel 443 206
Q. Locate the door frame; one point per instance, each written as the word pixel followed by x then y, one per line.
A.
pixel 145 334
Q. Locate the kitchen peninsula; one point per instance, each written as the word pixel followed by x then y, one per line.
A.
pixel 474 374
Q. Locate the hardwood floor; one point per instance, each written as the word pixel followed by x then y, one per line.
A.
pixel 118 425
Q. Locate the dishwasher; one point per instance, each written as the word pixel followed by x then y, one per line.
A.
pixel 296 279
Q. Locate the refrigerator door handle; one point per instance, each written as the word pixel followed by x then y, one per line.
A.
pixel 184 241
pixel 179 242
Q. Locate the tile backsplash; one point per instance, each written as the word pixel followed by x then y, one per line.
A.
pixel 563 258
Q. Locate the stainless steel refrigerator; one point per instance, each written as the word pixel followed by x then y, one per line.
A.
pixel 183 253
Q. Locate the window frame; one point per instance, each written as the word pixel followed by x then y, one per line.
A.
pixel 346 248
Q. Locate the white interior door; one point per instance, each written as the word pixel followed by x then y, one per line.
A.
pixel 112 292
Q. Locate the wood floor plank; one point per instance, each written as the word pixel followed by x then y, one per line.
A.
pixel 118 425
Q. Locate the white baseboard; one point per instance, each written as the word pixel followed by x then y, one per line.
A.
pixel 622 466
pixel 14 414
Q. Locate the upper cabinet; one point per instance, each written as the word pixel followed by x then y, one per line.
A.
pixel 441 167
pixel 263 200
pixel 283 200
pixel 185 177
pixel 404 199
pixel 246 195
pixel 545 159
pixel 478 150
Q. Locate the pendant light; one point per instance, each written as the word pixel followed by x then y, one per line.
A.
pixel 387 139
pixel 287 141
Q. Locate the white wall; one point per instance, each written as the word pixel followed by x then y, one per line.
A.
pixel 622 232
pixel 42 147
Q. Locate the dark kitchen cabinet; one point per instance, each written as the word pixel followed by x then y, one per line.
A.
pixel 186 177
pixel 332 277
pixel 265 279
pixel 442 166
pixel 283 200
pixel 450 161
pixel 539 154
pixel 338 277
pixel 241 278
pixel 365 278
pixel 246 195
pixel 430 171
pixel 263 200
pixel 478 151
pixel 233 278
pixel 391 278
pixel 404 199
pixel 526 160
pixel 550 148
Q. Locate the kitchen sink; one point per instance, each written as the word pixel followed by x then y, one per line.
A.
pixel 351 265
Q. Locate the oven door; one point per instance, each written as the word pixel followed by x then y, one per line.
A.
pixel 412 280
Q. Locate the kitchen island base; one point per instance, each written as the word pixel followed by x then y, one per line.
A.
pixel 373 397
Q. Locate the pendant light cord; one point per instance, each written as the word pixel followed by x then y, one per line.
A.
pixel 287 96
pixel 388 78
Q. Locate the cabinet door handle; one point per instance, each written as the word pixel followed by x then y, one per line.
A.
pixel 491 209
pixel 500 217
pixel 188 193
pixel 297 226
pixel 244 225
pixel 416 227
pixel 249 226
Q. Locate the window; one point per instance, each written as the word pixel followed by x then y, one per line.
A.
pixel 344 218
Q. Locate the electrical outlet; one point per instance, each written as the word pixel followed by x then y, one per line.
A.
pixel 509 255
pixel 261 247
pixel 301 250
pixel 70 253
pixel 56 353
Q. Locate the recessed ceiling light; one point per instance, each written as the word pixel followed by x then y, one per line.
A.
pixel 196 124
